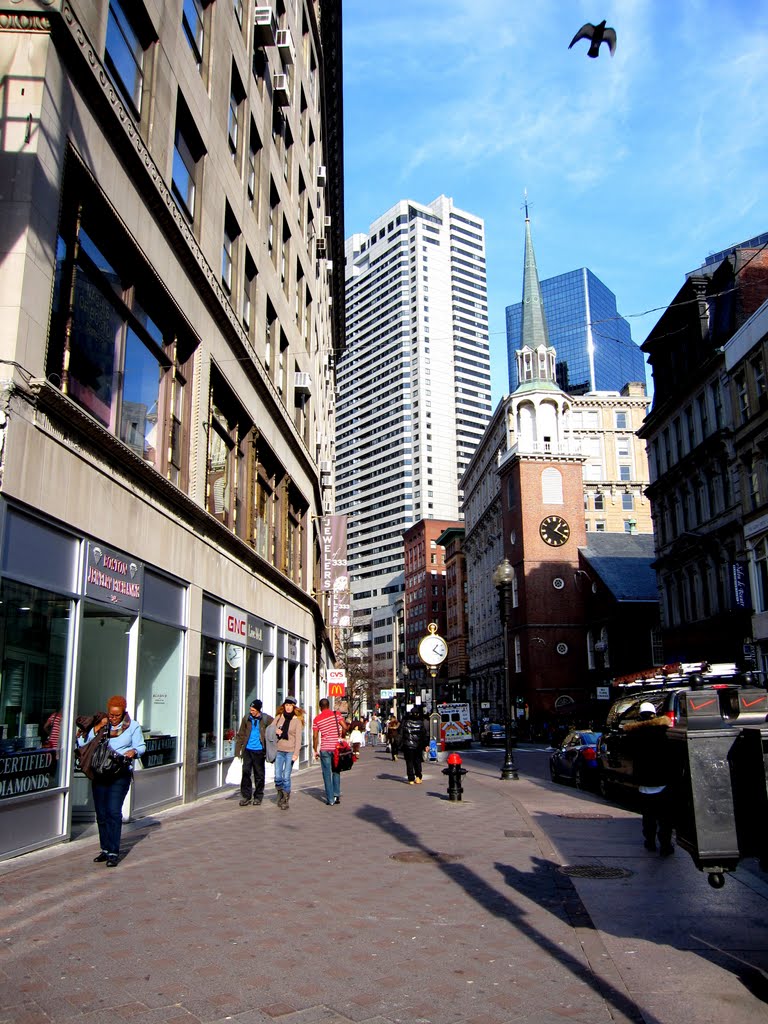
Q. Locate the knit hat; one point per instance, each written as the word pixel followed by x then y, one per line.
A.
pixel 290 700
pixel 256 703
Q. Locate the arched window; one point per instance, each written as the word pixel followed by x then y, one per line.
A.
pixel 551 486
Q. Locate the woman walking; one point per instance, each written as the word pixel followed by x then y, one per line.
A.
pixel 127 739
pixel 289 727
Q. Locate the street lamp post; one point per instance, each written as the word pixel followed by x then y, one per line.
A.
pixel 502 580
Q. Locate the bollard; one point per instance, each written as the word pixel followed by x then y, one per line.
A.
pixel 454 771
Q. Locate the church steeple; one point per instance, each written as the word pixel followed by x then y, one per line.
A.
pixel 535 357
pixel 535 331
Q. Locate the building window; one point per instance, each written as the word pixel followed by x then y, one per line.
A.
pixel 742 396
pixel 228 250
pixel 116 344
pixel 34 628
pixel 758 377
pixel 227 426
pixel 599 501
pixel 249 292
pixel 600 526
pixel 254 161
pixel 625 473
pixel 551 486
pixel 621 420
pixel 187 153
pixel 627 501
pixel 193 25
pixel 761 575
pixel 236 98
pixel 125 55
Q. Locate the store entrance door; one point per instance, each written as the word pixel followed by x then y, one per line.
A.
pixel 102 672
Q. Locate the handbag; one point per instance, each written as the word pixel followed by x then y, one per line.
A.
pixel 343 757
pixel 105 763
pixel 234 774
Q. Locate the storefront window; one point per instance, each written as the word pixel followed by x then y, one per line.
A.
pixel 34 629
pixel 252 676
pixel 158 691
pixel 209 673
pixel 231 697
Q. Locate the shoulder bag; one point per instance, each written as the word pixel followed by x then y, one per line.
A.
pixel 270 737
pixel 343 758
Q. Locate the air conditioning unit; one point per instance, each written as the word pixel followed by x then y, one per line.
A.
pixel 321 176
pixel 326 467
pixel 285 45
pixel 302 383
pixel 329 266
pixel 320 246
pixel 264 26
pixel 281 90
pixel 327 221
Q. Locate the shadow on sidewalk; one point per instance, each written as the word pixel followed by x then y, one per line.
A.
pixel 544 886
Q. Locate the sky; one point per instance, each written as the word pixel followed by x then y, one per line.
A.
pixel 637 166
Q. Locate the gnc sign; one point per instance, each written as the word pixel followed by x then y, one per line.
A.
pixel 235 624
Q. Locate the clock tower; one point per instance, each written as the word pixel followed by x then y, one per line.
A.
pixel 542 500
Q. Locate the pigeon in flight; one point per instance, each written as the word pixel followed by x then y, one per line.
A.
pixel 597 34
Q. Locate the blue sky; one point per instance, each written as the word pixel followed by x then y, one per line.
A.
pixel 637 166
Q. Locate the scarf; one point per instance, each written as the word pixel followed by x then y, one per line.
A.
pixel 287 719
pixel 116 730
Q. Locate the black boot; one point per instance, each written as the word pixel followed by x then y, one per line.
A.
pixel 280 797
pixel 284 805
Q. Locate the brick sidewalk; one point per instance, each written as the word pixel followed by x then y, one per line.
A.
pixel 395 906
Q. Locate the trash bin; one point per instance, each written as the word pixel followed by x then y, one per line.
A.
pixel 716 768
pixel 749 774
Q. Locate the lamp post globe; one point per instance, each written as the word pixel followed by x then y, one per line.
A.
pixel 503 576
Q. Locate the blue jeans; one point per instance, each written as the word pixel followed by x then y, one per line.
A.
pixel 331 779
pixel 108 800
pixel 283 768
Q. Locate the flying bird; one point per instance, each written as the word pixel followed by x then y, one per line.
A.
pixel 597 34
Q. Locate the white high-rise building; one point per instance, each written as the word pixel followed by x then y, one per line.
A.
pixel 414 392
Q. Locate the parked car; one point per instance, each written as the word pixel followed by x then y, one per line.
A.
pixel 614 754
pixel 493 734
pixel 576 760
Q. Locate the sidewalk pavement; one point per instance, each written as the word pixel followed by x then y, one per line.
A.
pixel 395 906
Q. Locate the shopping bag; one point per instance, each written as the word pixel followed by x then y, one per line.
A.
pixel 235 772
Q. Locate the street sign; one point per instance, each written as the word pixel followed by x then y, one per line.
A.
pixel 603 693
pixel 389 694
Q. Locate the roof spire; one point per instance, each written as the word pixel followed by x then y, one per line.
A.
pixel 535 331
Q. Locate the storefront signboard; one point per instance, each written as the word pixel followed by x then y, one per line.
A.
pixel 160 750
pixel 113 577
pixel 242 628
pixel 26 771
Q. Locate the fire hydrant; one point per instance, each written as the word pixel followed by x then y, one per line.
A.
pixel 454 771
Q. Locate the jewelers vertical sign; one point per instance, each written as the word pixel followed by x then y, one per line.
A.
pixel 333 569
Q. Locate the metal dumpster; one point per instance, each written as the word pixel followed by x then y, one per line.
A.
pixel 720 776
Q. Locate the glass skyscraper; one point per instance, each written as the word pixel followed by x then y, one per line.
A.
pixel 594 346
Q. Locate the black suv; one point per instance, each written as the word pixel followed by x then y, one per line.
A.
pixel 614 756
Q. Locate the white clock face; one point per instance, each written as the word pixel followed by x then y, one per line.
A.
pixel 433 650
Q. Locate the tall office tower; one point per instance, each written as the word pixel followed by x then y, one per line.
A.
pixel 594 346
pixel 414 391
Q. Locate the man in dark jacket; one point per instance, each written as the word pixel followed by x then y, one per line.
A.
pixel 251 745
pixel 647 745
pixel 413 741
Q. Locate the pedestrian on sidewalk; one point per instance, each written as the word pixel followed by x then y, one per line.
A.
pixel 647 744
pixel 327 729
pixel 374 728
pixel 356 739
pixel 251 745
pixel 413 741
pixel 109 792
pixel 393 731
pixel 289 727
